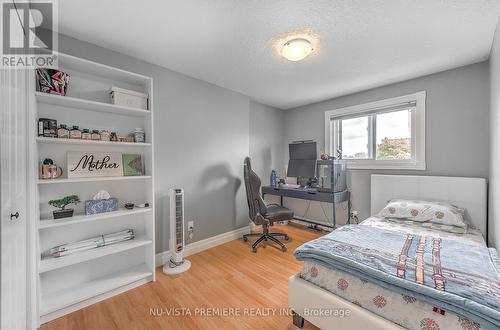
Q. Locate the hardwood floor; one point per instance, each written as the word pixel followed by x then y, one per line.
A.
pixel 225 280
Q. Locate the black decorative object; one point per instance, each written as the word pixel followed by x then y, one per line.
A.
pixel 129 206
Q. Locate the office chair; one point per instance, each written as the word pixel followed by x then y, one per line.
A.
pixel 260 213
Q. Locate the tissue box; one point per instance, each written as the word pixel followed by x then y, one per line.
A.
pixel 101 206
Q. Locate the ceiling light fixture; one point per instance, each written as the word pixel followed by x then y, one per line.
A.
pixel 296 49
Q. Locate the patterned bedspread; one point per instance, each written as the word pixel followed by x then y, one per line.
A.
pixel 472 235
pixel 402 309
pixel 455 275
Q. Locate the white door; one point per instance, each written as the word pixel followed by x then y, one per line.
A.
pixel 13 171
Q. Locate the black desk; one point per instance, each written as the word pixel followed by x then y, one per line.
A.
pixel 311 194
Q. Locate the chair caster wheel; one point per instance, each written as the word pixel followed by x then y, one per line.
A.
pixel 283 249
pixel 245 239
pixel 254 250
pixel 287 238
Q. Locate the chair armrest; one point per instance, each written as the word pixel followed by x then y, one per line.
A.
pixel 260 220
pixel 274 204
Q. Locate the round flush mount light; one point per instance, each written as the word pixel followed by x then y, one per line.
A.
pixel 296 49
pixel 296 45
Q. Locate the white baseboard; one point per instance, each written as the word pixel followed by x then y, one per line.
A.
pixel 204 244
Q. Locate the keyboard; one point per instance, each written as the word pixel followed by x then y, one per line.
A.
pixel 289 186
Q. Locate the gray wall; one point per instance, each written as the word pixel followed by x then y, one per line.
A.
pixel 266 140
pixel 494 186
pixel 457 127
pixel 202 134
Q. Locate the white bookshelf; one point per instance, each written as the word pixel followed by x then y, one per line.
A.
pixel 70 282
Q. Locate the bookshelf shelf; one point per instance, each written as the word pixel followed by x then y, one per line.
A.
pixel 82 104
pixel 90 142
pixel 95 179
pixel 58 300
pixel 79 219
pixel 50 264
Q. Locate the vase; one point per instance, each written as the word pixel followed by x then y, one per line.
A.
pixel 59 214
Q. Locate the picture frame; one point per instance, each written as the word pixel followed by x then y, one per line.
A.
pixel 132 165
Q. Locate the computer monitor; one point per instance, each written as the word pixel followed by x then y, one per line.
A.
pixel 302 161
pixel 303 150
pixel 301 168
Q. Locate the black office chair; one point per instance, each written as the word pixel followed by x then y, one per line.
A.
pixel 260 213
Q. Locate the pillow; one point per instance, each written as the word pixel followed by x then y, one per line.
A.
pixel 446 214
pixel 422 211
pixel 429 225
pixel 406 209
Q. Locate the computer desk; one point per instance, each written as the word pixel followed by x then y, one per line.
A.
pixel 311 194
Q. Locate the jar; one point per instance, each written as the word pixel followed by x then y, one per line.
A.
pixel 86 134
pixel 139 135
pixel 104 135
pixel 63 132
pixel 96 135
pixel 75 133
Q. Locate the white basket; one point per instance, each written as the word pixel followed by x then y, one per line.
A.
pixel 128 98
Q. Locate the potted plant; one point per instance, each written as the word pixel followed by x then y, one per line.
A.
pixel 61 204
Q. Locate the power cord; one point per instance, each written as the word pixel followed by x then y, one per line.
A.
pixel 353 215
pixel 324 212
pixel 307 209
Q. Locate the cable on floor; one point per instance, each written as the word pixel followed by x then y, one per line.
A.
pixel 326 215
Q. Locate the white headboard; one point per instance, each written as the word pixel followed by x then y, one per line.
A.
pixel 468 193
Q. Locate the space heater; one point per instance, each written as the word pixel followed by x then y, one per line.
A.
pixel 177 264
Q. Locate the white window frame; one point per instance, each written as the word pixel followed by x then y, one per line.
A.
pixel 417 132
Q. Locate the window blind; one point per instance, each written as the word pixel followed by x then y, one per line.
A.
pixel 377 110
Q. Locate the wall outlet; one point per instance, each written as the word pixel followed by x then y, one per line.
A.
pixel 354 216
pixel 190 229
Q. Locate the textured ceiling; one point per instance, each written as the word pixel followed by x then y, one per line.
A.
pixel 362 43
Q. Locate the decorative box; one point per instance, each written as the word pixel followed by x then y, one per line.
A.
pixel 128 98
pixel 101 206
pixel 52 81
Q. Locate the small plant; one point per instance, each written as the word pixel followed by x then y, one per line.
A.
pixel 63 202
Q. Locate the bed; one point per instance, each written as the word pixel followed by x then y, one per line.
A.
pixel 333 292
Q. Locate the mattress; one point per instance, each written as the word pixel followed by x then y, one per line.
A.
pixel 404 310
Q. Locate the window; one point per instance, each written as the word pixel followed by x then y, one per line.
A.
pixel 387 134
